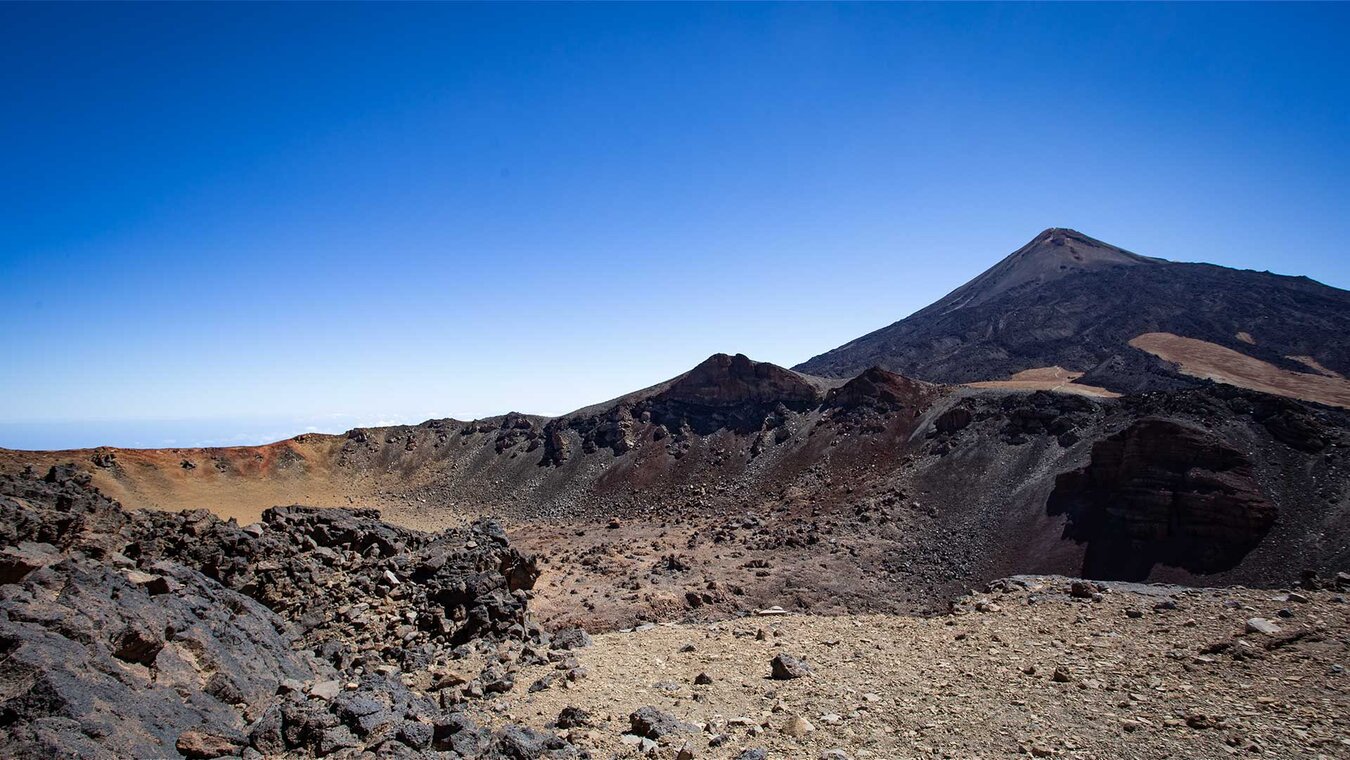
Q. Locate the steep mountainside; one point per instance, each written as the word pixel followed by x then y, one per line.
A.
pixel 1067 300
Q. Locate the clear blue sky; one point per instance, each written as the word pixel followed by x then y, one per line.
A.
pixel 234 222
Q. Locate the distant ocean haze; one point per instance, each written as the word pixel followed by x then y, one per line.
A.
pixel 181 433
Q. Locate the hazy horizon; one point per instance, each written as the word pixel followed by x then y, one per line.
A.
pixel 220 220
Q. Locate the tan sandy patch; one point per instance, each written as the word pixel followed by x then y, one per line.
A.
pixel 1210 361
pixel 1053 378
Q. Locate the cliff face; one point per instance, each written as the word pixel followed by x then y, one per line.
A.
pixel 1162 492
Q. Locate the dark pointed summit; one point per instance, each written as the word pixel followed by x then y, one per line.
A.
pixel 1052 255
pixel 721 379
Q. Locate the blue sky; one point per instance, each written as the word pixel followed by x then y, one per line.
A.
pixel 225 223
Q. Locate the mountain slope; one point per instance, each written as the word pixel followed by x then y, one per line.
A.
pixel 1067 300
pixel 739 485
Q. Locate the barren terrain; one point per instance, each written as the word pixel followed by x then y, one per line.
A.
pixel 1055 379
pixel 738 515
pixel 1026 669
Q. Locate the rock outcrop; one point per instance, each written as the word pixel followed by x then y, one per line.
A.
pixel 1162 492
pixel 722 380
pixel 157 635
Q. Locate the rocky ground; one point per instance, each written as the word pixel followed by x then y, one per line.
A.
pixel 1035 667
pixel 312 633
pixel 329 633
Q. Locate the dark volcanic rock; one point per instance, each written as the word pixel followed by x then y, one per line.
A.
pixel 16 562
pixel 786 667
pixel 1161 492
pixel 654 724
pixel 90 670
pixel 573 717
pixel 570 638
pixel 314 566
pixel 121 638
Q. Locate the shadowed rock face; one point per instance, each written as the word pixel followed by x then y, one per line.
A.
pixel 1161 492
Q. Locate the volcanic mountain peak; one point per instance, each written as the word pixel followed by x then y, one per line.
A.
pixel 1052 255
pixel 1065 303
pixel 722 380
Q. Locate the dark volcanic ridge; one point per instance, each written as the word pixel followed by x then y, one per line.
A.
pixel 741 484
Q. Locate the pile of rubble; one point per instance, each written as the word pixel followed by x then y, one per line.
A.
pixel 313 633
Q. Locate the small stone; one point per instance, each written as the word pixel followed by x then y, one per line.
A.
pixel 571 638
pixel 289 685
pixel 702 679
pixel 654 724
pixel 325 690
pixel 199 745
pixel 1262 626
pixel 1199 721
pixel 797 727
pixel 786 667
pixel 1061 675
pixel 573 717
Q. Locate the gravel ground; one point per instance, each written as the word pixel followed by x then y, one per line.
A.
pixel 1139 672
